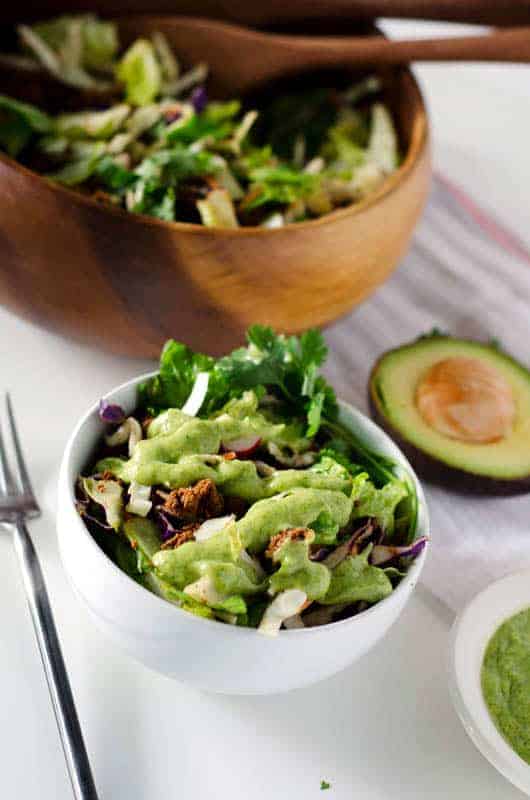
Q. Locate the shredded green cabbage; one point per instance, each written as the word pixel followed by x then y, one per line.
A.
pixel 165 149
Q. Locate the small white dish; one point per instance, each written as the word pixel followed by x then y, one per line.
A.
pixel 470 635
pixel 203 652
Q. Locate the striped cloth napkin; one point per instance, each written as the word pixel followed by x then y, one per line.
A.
pixel 465 274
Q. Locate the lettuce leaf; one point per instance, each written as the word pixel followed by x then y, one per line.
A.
pixel 346 142
pixel 99 39
pixel 354 579
pixel 19 122
pixel 92 124
pixel 217 210
pixel 216 121
pixel 278 184
pixel 340 458
pixel 380 503
pixel 76 172
pixel 297 571
pixel 140 72
pixel 383 144
pixel 325 529
pixel 100 43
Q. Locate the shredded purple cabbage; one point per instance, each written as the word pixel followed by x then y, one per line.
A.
pixel 98 522
pixel 82 509
pixel 382 554
pixel 199 99
pixel 320 554
pixel 165 526
pixel 369 532
pixel 110 412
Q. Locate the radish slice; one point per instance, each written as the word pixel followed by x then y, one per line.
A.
pixel 243 447
pixel 212 526
pixel 284 605
pixel 198 393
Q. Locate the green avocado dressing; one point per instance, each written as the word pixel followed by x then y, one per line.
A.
pixel 506 681
pixel 181 450
pixel 297 508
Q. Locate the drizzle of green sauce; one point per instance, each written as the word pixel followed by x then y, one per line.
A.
pixel 506 681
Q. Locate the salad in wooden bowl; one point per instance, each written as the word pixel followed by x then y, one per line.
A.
pixel 158 203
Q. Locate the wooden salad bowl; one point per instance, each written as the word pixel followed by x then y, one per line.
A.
pixel 126 283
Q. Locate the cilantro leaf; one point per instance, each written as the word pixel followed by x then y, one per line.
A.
pixel 171 166
pixel 324 785
pixel 158 202
pixel 216 121
pixel 313 349
pixel 264 338
pixel 285 365
pixel 36 119
pixel 158 176
pixel 179 367
pixel 314 413
pixel 113 175
pixel 289 364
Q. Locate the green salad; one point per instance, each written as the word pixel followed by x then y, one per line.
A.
pixel 235 492
pixel 153 142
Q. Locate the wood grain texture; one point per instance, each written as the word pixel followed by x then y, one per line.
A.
pixel 126 283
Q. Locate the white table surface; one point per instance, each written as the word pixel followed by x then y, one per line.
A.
pixel 381 730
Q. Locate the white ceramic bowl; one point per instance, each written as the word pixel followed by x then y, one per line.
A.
pixel 205 653
pixel 470 635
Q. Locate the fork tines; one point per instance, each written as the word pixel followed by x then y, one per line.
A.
pixel 17 498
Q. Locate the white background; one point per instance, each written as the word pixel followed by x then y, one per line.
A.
pixel 383 729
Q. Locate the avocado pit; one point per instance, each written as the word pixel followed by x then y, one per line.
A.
pixel 466 399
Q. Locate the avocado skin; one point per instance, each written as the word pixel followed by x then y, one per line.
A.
pixel 435 471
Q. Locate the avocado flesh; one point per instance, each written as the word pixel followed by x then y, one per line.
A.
pixel 392 393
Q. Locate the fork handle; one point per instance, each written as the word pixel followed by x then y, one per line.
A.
pixel 52 659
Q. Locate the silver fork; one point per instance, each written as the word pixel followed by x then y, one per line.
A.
pixel 18 503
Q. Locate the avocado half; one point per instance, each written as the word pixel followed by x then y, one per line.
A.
pixel 500 466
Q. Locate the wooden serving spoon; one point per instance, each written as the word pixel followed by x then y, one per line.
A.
pixel 267 56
